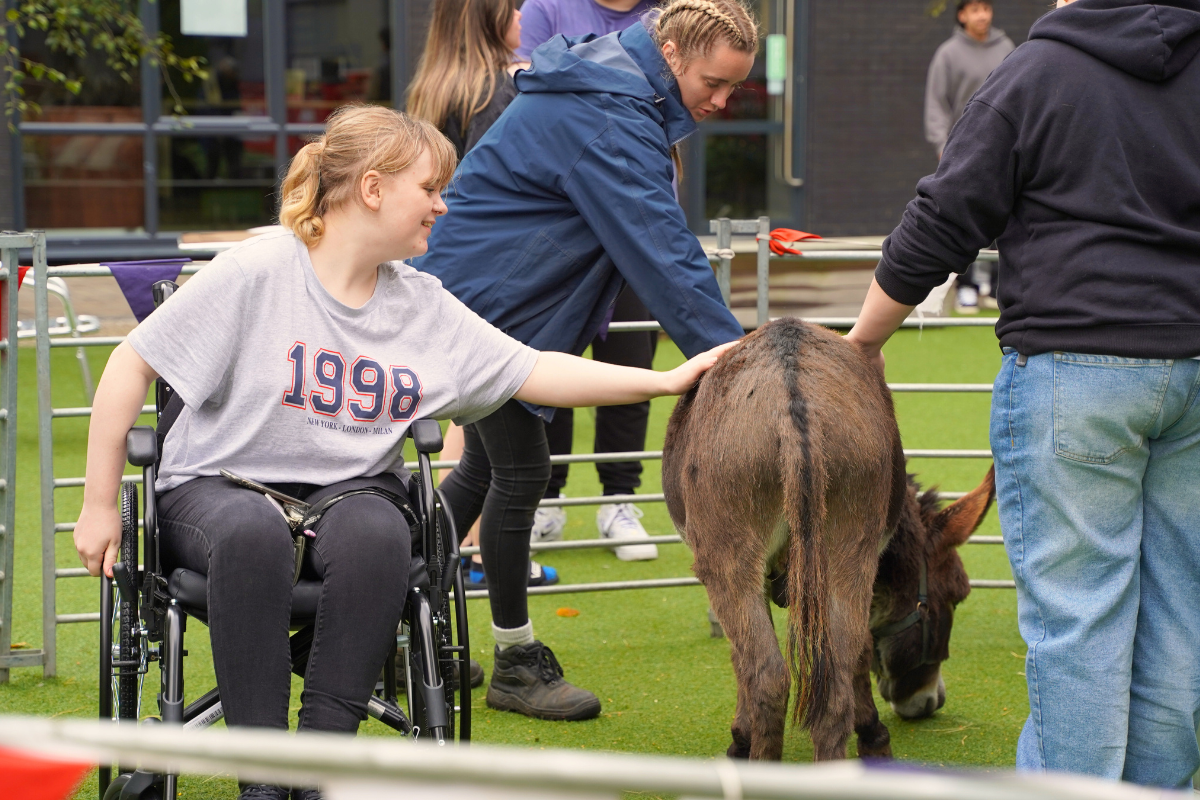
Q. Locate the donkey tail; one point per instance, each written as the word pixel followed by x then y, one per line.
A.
pixel 804 484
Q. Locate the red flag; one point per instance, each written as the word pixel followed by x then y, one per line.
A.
pixel 781 235
pixel 25 777
pixel 20 279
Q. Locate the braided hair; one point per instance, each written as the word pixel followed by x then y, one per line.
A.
pixel 695 26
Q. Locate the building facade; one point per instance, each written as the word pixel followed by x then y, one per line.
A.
pixel 114 172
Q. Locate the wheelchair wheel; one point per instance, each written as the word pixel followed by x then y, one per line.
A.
pixel 128 642
pixel 461 663
pixel 139 785
pixel 447 635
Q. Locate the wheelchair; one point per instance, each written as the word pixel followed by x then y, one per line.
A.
pixel 144 612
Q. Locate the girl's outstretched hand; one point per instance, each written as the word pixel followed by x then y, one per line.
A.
pixel 98 537
pixel 684 377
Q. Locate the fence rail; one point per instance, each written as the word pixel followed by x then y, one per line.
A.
pixel 723 256
pixel 346 767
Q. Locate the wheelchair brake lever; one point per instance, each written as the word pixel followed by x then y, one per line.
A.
pixel 448 573
pixel 124 583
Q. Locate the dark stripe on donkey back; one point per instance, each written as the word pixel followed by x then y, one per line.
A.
pixel 808 636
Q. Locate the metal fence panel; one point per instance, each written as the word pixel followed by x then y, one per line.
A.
pixel 724 228
pixel 10 245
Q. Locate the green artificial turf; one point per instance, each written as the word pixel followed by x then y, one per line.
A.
pixel 666 686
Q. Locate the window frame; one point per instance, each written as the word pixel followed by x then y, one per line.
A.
pixel 154 124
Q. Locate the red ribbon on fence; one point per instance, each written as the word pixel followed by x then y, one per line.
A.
pixel 26 777
pixel 781 235
pixel 20 279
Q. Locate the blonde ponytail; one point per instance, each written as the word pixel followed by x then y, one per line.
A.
pixel 301 192
pixel 358 138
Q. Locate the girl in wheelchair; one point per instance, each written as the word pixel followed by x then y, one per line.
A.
pixel 301 357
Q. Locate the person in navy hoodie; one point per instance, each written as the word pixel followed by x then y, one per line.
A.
pixel 1081 154
pixel 563 201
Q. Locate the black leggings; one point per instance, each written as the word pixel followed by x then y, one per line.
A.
pixel 239 540
pixel 502 475
pixel 619 429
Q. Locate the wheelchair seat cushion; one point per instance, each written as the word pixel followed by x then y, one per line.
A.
pixel 190 590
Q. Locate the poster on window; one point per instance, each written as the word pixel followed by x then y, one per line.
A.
pixel 212 17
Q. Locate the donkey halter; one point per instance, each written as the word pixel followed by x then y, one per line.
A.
pixel 894 629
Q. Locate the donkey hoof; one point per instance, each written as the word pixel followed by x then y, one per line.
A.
pixel 740 747
pixel 875 745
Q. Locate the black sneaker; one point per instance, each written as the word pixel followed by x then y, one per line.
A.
pixel 262 791
pixel 476 674
pixel 307 794
pixel 527 679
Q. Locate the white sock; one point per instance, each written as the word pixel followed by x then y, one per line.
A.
pixel 509 637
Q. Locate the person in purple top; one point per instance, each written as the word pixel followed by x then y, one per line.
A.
pixel 543 19
pixel 618 428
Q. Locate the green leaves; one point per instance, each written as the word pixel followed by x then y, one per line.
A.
pixel 77 28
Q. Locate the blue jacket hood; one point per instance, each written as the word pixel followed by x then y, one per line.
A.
pixel 1151 41
pixel 625 63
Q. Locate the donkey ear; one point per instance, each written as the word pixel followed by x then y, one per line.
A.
pixel 960 520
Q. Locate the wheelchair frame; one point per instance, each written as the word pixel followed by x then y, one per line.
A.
pixel 140 622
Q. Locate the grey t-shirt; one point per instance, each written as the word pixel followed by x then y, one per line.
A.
pixel 282 383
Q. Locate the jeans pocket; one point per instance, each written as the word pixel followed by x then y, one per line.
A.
pixel 1105 405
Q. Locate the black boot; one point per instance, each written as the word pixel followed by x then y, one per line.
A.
pixel 528 679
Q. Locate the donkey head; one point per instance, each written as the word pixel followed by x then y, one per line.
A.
pixel 920 580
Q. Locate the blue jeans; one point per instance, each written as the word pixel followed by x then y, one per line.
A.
pixel 1098 486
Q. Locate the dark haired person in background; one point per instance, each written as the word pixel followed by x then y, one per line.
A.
pixel 959 68
pixel 1079 154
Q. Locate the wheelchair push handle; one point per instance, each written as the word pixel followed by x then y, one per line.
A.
pixel 427 436
pixel 161 290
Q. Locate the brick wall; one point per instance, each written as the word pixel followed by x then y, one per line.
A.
pixel 867 66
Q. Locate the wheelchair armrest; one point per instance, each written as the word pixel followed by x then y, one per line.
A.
pixel 427 436
pixel 141 444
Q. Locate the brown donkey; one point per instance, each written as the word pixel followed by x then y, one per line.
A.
pixel 784 473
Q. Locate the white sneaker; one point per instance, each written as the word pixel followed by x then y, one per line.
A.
pixel 620 521
pixel 548 524
pixel 967 300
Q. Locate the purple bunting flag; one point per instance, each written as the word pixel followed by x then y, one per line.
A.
pixel 137 277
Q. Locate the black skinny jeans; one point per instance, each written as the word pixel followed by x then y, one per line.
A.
pixel 619 429
pixel 502 476
pixel 239 540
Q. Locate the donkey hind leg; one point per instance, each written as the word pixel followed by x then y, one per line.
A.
pixel 874 741
pixel 762 675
